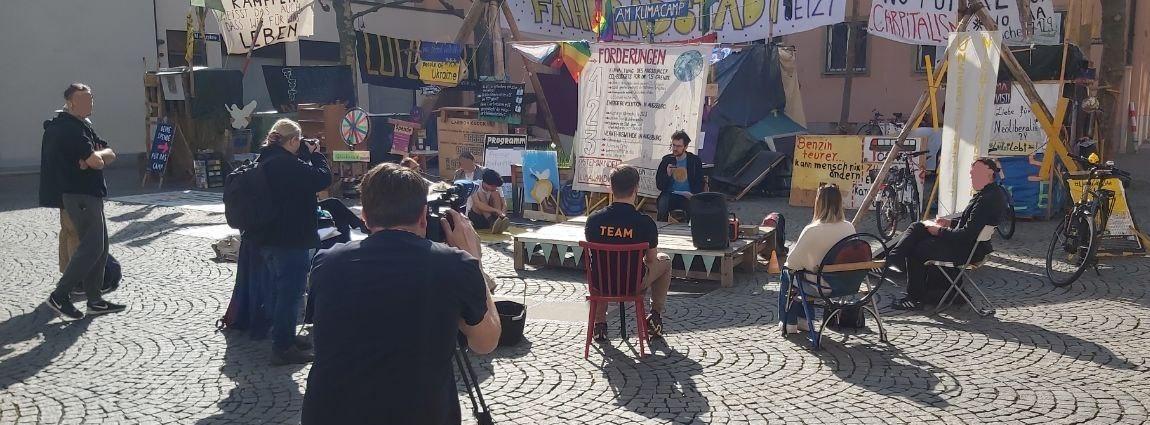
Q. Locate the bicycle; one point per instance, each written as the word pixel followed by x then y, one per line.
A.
pixel 1075 242
pixel 899 197
pixel 875 126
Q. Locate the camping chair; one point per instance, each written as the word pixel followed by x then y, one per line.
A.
pixel 841 276
pixel 960 271
pixel 615 274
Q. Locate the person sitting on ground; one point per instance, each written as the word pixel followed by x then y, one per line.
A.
pixel 411 164
pixel 621 224
pixel 828 227
pixel 468 169
pixel 418 296
pixel 678 177
pixel 486 207
pixel 947 240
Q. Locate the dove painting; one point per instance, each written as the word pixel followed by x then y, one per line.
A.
pixel 542 170
pixel 240 116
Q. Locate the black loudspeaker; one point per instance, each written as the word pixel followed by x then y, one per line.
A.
pixel 709 215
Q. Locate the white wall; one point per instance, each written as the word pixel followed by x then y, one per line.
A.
pixel 49 44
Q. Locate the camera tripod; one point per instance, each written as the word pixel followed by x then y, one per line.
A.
pixel 478 405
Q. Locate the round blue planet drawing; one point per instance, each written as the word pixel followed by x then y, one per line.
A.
pixel 689 65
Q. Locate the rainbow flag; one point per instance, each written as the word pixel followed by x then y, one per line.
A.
pixel 601 20
pixel 575 55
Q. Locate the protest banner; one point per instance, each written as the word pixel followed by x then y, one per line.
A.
pixel 1016 130
pixel 393 62
pixel 969 117
pixel 439 63
pixel 1119 236
pixel 502 150
pixel 926 22
pixel 459 131
pixel 631 100
pixel 825 159
pixel 733 21
pixel 1045 24
pixel 264 22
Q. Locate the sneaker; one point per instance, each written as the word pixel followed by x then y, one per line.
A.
pixel 64 308
pixel 501 224
pixel 292 355
pixel 601 332
pixel 654 325
pixel 104 307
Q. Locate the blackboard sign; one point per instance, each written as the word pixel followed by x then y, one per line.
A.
pixel 161 147
pixel 500 101
pixel 290 86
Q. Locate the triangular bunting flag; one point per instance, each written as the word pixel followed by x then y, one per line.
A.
pixel 578 251
pixel 708 262
pixel 531 252
pixel 688 259
pixel 546 251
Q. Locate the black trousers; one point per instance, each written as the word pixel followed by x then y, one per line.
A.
pixel 669 202
pixel 916 247
pixel 481 221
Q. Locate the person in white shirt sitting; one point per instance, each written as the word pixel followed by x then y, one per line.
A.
pixel 827 228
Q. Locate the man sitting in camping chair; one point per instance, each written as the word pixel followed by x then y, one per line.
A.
pixel 947 240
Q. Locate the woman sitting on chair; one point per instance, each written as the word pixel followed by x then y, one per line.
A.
pixel 827 228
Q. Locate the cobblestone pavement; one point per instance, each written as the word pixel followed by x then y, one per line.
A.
pixel 1049 355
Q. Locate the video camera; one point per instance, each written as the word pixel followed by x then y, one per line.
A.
pixel 454 198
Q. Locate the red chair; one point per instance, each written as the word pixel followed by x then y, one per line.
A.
pixel 615 274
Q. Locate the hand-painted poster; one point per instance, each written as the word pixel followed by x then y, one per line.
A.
pixel 926 22
pixel 632 98
pixel 732 20
pixel 540 187
pixel 1045 24
pixel 251 24
pixel 439 63
pixel 825 160
pixel 969 117
pixel 1016 130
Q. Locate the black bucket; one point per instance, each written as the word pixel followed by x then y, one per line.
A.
pixel 512 317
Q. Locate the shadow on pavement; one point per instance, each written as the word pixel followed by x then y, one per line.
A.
pixel 259 385
pixel 664 380
pixel 56 338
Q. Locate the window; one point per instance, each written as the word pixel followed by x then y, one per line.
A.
pixel 920 58
pixel 177 48
pixel 836 58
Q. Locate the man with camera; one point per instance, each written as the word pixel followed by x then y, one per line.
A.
pixel 389 309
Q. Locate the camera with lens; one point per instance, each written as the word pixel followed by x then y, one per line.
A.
pixel 454 198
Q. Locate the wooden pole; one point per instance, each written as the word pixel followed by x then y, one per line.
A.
pixel 544 107
pixel 916 119
pixel 496 32
pixel 848 79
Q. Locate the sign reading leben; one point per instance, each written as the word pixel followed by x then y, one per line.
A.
pixel 462 134
pixel 282 21
pixel 1121 237
pixel 631 100
pixel 825 159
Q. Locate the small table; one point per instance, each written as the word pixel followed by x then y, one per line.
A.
pixel 422 156
pixel 674 240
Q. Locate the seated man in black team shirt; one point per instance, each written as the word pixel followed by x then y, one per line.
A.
pixel 621 224
pixel 948 240
pixel 389 308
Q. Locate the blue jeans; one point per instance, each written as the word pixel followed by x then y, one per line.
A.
pixel 796 308
pixel 284 277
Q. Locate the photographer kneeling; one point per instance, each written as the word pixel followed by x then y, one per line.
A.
pixel 389 309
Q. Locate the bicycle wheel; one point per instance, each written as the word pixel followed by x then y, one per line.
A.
pixel 886 213
pixel 1071 249
pixel 1006 226
pixel 870 129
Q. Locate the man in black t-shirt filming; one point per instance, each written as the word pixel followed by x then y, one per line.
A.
pixel 72 179
pixel 621 224
pixel 388 310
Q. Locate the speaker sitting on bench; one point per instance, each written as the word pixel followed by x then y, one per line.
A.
pixel 709 215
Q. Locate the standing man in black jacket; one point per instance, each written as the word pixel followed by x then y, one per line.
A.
pixel 948 240
pixel 679 176
pixel 72 179
pixel 295 172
